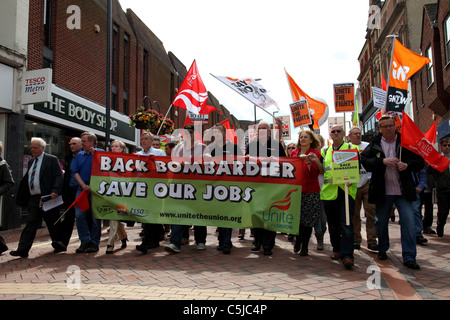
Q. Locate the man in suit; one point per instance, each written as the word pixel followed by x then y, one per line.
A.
pixel 44 177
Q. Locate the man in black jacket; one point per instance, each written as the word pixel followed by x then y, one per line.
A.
pixel 44 177
pixel 392 183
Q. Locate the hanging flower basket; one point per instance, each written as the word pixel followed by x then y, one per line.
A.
pixel 150 120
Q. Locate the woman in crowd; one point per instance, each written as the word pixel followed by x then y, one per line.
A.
pixel 115 227
pixel 307 151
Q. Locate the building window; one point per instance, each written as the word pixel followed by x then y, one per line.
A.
pixel 144 73
pixel 447 39
pixel 430 75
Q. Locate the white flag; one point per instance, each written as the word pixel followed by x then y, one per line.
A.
pixel 249 89
pixel 379 97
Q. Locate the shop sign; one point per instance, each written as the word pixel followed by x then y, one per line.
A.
pixel 36 86
pixel 64 108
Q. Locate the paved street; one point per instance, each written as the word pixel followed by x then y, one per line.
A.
pixel 212 275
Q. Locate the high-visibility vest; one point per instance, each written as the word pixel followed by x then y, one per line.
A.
pixel 329 190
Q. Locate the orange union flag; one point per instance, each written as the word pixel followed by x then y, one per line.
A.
pixel 405 63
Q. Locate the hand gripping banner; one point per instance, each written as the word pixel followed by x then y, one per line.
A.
pixel 233 192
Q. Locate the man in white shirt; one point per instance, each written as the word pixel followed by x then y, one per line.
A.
pixel 152 232
pixel 362 198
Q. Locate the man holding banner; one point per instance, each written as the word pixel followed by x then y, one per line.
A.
pixel 264 146
pixel 392 183
pixel 334 198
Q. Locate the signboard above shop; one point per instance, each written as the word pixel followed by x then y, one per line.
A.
pixel 71 110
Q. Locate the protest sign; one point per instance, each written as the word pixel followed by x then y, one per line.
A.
pixel 300 113
pixel 235 192
pixel 344 97
pixel 345 166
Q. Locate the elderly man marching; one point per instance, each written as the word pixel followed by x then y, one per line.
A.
pixel 333 196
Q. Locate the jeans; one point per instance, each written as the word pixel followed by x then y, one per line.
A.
pixel 225 238
pixel 85 234
pixel 418 223
pixel 407 226
pixel 341 235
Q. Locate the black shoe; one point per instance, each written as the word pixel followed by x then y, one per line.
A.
pixel 226 250
pixel 372 247
pixel 428 230
pixel 142 248
pixel 421 239
pixel 124 243
pixel 303 252
pixel 412 265
pixel 440 231
pixel 357 246
pixel 82 248
pixel 297 245
pixel 382 256
pixel 256 248
pixel 19 253
pixel 267 252
pixel 92 248
pixel 58 246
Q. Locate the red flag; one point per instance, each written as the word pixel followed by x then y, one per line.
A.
pixel 415 141
pixel 383 83
pixel 230 132
pixel 192 94
pixel 82 201
pixel 198 135
pixel 430 135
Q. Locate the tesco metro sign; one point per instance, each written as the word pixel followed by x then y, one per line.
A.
pixel 36 86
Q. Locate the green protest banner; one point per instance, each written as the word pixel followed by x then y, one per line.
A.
pixel 345 166
pixel 236 192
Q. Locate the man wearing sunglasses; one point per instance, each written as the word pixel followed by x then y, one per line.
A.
pixel 392 183
pixel 333 196
pixel 442 183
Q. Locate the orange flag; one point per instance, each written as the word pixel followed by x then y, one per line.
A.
pixel 318 107
pixel 405 63
pixel 415 141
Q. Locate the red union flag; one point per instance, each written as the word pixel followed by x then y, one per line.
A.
pixel 414 140
pixel 192 94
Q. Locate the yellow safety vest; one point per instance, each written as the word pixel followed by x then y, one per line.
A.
pixel 329 190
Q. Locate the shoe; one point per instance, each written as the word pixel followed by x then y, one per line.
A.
pixel 428 230
pixel 58 246
pixel 440 231
pixel 184 241
pixel 297 245
pixel 92 248
pixel 267 252
pixel 382 256
pixel 172 248
pixel 19 253
pixel 304 252
pixel 255 248
pixel 320 243
pixel 201 246
pixel 219 248
pixel 124 243
pixel 226 250
pixel 421 239
pixel 356 245
pixel 241 236
pixel 291 238
pixel 412 265
pixel 348 263
pixel 372 247
pixel 109 249
pixel 142 248
pixel 83 248
pixel 335 256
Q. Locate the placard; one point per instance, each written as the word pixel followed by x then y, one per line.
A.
pixel 344 97
pixel 300 113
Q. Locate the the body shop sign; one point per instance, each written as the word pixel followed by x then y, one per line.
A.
pixel 37 86
pixel 69 109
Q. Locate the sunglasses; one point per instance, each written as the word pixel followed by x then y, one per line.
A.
pixel 445 145
pixel 336 131
pixel 291 148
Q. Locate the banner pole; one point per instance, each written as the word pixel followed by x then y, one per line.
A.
pixel 390 69
pixel 347 210
pixel 165 117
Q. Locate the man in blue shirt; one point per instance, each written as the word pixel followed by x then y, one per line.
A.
pixel 89 233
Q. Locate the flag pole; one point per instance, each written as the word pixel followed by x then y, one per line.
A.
pixel 394 36
pixel 165 117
